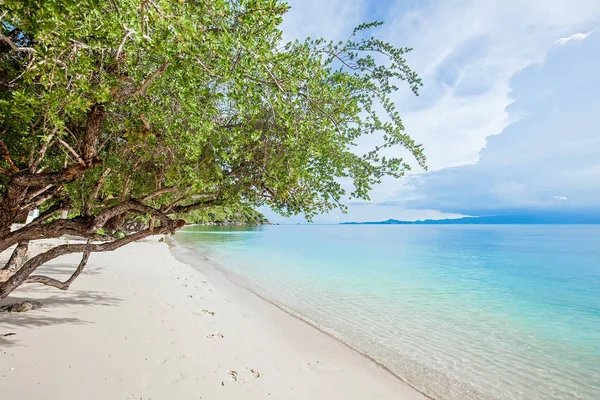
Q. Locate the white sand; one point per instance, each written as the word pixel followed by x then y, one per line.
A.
pixel 132 327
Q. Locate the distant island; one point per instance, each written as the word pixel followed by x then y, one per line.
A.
pixel 537 218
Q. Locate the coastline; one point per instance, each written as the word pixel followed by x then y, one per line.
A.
pixel 137 324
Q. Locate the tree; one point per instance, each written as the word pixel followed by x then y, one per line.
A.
pixel 149 109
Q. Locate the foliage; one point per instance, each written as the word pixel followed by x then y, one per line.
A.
pixel 240 214
pixel 123 108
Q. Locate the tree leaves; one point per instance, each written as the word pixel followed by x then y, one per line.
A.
pixel 202 96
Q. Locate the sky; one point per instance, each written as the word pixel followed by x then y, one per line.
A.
pixel 508 111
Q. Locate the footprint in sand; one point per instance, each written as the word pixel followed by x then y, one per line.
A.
pixel 234 375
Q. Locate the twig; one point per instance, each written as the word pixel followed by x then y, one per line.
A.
pixel 24 71
pixel 42 152
pixel 100 183
pixel 157 8
pixel 77 157
pixel 168 189
pixel 129 33
pixel 150 79
pixel 7 156
pixel 15 47
pixel 269 72
pixel 94 195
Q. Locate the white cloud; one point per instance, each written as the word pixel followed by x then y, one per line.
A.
pixel 553 147
pixel 466 51
pixel 365 212
pixel 575 37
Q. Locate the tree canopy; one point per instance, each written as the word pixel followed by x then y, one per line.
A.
pixel 123 108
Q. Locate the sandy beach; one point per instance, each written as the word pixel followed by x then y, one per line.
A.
pixel 139 324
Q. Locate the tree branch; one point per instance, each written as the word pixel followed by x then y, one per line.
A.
pixel 150 79
pixel 35 262
pixel 42 152
pixel 135 206
pixel 26 179
pixel 73 152
pixel 169 189
pixel 7 156
pixel 15 47
pixel 15 261
pixel 40 198
pixel 94 195
pixel 56 283
pixel 49 212
pixel 4 171
pixel 129 33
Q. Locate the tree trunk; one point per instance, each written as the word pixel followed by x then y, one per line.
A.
pixel 10 207
pixel 16 260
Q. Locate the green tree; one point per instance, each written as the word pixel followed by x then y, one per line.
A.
pixel 153 108
pixel 237 213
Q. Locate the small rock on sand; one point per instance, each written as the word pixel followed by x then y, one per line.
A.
pixel 21 307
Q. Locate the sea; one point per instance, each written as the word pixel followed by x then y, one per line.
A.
pixel 457 311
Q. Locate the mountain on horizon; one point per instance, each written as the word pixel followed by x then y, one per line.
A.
pixel 536 218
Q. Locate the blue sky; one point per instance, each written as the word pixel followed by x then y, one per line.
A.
pixel 510 107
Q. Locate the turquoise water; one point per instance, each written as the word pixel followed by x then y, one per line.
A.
pixel 459 312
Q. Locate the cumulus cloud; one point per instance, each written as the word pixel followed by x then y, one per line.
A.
pixel 466 51
pixel 553 147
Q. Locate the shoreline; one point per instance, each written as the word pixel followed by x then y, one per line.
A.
pixel 138 324
pixel 173 246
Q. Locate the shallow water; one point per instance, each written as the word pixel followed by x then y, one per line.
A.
pixel 459 311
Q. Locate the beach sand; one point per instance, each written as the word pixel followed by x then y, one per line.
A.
pixel 139 324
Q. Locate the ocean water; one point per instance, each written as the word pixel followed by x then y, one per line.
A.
pixel 459 311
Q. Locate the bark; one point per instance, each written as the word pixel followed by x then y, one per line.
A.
pixel 83 226
pixel 75 226
pixel 10 207
pixel 15 261
pixel 115 223
pixel 92 133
